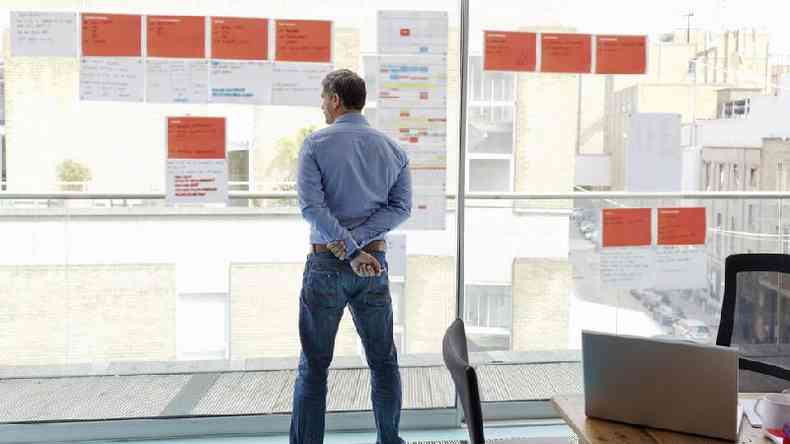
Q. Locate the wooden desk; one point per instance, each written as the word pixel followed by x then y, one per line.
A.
pixel 598 431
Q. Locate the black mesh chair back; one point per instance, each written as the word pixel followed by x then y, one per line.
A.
pixel 755 318
pixel 456 358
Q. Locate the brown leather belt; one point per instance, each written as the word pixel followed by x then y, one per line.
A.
pixel 376 245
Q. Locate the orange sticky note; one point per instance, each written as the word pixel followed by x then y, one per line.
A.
pixel 620 54
pixel 303 41
pixel 626 227
pixel 196 137
pixel 239 38
pixel 509 51
pixel 111 35
pixel 681 226
pixel 176 36
pixel 566 53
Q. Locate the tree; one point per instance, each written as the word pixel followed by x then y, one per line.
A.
pixel 282 170
pixel 72 171
pixel 283 166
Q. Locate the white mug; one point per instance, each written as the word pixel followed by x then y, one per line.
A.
pixel 774 411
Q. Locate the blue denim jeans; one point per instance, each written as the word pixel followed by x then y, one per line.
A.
pixel 328 285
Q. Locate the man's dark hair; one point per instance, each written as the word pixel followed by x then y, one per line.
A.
pixel 348 86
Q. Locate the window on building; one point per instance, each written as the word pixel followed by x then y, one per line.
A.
pixel 723 185
pixel 736 179
pixel 720 234
pixel 491 134
pixel 707 178
pixel 488 314
pixel 202 326
pixel 782 182
pixel 754 179
pixel 732 233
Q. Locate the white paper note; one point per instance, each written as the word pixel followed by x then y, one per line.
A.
pixel 412 81
pixel 43 34
pixel 195 181
pixel 240 82
pixel 681 268
pixel 628 267
pixel 176 81
pixel 298 84
pixel 112 79
pixel 412 32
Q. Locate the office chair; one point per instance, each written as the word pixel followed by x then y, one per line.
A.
pixel 456 358
pixel 755 318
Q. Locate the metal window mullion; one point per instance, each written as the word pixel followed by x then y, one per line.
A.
pixel 461 188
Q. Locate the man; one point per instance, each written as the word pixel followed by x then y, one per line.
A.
pixel 354 187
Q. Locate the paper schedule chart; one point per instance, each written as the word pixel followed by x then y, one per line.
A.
pixel 412 81
pixel 412 32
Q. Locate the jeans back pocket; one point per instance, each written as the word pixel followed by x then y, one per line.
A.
pixel 321 288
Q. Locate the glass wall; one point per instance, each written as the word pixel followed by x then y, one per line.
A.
pixel 701 117
pixel 129 285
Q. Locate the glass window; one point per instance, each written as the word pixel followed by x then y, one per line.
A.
pixel 489 175
pixel 491 130
pixel 488 314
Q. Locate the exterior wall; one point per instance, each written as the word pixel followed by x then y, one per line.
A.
pixel 690 101
pixel 545 137
pixel 430 306
pixel 541 297
pixel 774 151
pixel 54 315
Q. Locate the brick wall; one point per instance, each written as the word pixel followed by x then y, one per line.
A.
pixel 54 315
pixel 541 295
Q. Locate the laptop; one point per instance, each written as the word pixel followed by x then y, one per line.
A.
pixel 664 384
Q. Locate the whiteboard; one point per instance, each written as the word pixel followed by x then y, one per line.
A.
pixel 43 34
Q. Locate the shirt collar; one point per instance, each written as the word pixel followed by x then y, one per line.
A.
pixel 352 118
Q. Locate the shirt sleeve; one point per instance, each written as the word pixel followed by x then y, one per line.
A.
pixel 310 190
pixel 387 218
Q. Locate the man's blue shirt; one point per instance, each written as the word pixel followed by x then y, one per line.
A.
pixel 353 182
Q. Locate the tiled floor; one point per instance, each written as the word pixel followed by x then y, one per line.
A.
pixel 261 392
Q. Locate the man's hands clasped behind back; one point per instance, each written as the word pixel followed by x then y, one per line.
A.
pixel 365 264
